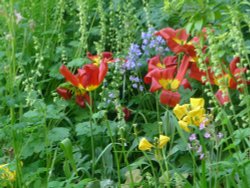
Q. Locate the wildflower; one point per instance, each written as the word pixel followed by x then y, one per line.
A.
pixel 18 16
pixel 6 175
pixel 220 135
pixel 177 41
pixel 193 113
pixel 141 88
pixel 65 93
pixel 202 126
pixel 133 57
pixel 88 78
pixel 127 113
pixel 145 145
pixel 199 149
pixel 192 137
pixel 97 59
pixel 207 135
pixel 163 140
pixel 202 156
pixel 81 99
pixel 167 78
pixel 229 80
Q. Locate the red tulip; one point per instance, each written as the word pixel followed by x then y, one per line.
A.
pixel 66 94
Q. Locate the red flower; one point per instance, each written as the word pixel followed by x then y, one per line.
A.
pixel 156 63
pixel 186 84
pixel 88 78
pixel 65 93
pixel 177 41
pixel 168 79
pixel 97 59
pixel 170 98
pixel 82 99
pixel 197 74
pixel 127 113
pixel 222 97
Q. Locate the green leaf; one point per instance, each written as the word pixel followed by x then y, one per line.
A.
pixel 99 115
pixel 76 62
pixel 198 25
pixel 85 129
pixel 66 146
pixel 58 133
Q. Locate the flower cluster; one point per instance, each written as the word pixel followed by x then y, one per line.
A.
pixel 191 114
pixel 168 73
pixel 146 145
pixel 136 82
pixel 231 78
pixel 132 61
pixel 195 146
pixel 6 175
pixel 87 79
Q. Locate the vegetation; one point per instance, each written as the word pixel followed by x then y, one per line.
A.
pixel 132 93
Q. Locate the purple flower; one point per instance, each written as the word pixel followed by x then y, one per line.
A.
pixel 220 135
pixel 135 85
pixel 112 95
pixel 207 135
pixel 201 156
pixel 133 57
pixel 192 137
pixel 141 88
pixel 202 126
pixel 199 149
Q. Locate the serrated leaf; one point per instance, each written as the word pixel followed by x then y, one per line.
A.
pixel 58 133
pixel 85 129
pixel 76 62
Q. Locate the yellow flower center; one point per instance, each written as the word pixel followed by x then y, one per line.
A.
pixel 160 65
pixel 171 84
pixel 91 87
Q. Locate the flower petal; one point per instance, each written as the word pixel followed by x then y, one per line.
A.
pixel 144 145
pixel 64 93
pixel 170 98
pixel 197 103
pixel 69 76
pixel 222 97
pixel 163 140
pixel 180 110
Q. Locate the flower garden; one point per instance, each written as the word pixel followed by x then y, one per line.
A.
pixel 133 93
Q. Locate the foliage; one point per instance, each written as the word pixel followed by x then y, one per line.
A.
pixel 124 131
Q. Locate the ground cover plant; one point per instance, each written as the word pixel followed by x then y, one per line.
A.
pixel 141 93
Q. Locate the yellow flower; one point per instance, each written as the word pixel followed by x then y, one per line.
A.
pixel 180 110
pixel 197 116
pixel 163 140
pixel 6 174
pixel 197 102
pixel 145 145
pixel 190 114
pixel 184 126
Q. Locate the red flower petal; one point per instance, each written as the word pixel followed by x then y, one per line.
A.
pixel 64 93
pixel 103 69
pixel 127 113
pixel 233 63
pixel 186 84
pixel 69 76
pixel 185 62
pixel 222 98
pixel 170 98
